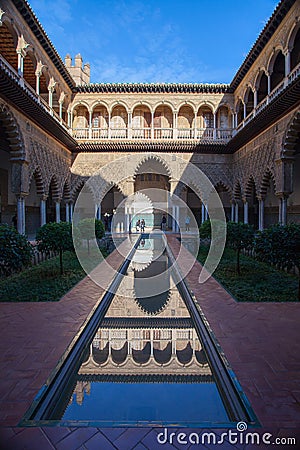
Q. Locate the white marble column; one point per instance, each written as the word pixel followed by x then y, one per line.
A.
pixel 232 211
pixel 206 211
pixel 57 211
pixel 99 211
pixel 284 210
pixel 21 214
pixel 236 212
pixel 202 212
pixel 269 83
pixel 246 210
pixel 175 125
pixel 67 212
pixel 71 211
pixel 129 125
pixel 152 125
pixel 261 211
pixel 215 126
pixel 151 342
pixel 255 98
pixel 43 210
pixel 287 65
pixel 280 210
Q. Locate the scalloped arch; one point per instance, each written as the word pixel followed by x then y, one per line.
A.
pixel 154 157
pixel 291 136
pixel 249 186
pixel 265 182
pixel 13 133
pixel 38 178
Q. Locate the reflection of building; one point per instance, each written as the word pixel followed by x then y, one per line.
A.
pixel 145 339
pixel 146 351
pixel 57 128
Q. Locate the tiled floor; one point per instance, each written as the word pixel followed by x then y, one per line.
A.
pixel 261 342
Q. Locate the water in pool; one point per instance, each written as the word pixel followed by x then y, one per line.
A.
pixel 145 362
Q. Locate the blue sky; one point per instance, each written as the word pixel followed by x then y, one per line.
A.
pixel 179 41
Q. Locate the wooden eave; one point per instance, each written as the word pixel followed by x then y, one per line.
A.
pixel 271 26
pixel 28 15
pixel 28 104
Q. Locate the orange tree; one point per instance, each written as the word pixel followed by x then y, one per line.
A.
pixel 55 237
pixel 240 236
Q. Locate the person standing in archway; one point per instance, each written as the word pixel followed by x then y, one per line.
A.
pixel 187 223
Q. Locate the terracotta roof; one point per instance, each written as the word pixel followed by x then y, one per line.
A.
pixel 154 146
pixel 149 322
pixel 273 23
pixel 154 87
pixel 25 10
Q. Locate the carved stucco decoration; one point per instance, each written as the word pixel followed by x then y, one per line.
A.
pixel 50 165
pixel 253 164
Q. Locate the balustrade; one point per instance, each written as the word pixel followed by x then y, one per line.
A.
pixel 141 133
pixel 202 134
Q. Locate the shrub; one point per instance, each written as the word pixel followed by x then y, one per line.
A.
pixel 15 251
pixel 219 229
pixel 55 237
pixel 280 245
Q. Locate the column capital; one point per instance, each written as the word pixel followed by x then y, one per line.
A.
pixel 283 195
pixel 43 197
pixel 52 84
pixel 22 46
pixel 1 14
pixel 22 195
pixel 39 69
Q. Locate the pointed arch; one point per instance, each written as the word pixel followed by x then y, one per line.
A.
pixel 66 191
pixel 291 137
pixel 250 187
pixel 38 178
pixel 53 186
pixel 265 182
pixel 223 186
pixel 237 191
pixel 156 158
pixel 13 134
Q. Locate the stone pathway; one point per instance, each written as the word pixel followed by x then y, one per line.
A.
pixel 261 342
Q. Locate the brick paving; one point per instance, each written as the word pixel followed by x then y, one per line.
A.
pixel 260 340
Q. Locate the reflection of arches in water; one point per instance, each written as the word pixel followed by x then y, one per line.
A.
pixel 143 285
pixel 86 355
pixel 119 356
pixel 200 356
pixel 185 355
pixel 163 356
pixel 142 356
pixel 100 356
